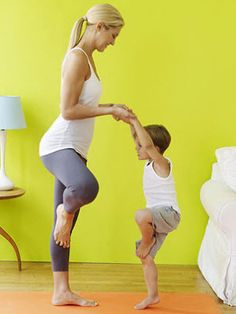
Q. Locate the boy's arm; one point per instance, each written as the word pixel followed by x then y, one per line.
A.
pixel 146 142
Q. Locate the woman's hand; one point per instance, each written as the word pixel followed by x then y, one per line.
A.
pixel 122 112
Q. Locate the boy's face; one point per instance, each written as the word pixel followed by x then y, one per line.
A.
pixel 142 155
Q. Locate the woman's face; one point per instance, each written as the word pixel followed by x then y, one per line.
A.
pixel 105 36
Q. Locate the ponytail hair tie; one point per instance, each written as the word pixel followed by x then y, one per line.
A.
pixel 85 18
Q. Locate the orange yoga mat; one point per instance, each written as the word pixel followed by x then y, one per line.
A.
pixel 34 302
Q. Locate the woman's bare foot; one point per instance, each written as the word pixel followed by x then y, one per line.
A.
pixel 70 298
pixel 63 227
pixel 145 248
pixel 147 302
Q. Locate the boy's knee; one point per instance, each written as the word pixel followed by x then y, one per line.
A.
pixel 138 216
pixel 141 216
pixel 147 260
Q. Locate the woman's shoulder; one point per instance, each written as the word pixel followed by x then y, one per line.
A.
pixel 75 60
pixel 75 56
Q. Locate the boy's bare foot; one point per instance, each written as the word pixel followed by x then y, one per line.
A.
pixel 147 302
pixel 63 227
pixel 68 297
pixel 145 248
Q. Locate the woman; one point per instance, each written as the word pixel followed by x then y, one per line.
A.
pixel 65 145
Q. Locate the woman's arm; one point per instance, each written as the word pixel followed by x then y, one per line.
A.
pixel 75 72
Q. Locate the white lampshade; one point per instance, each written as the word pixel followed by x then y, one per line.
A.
pixel 11 114
pixel 11 117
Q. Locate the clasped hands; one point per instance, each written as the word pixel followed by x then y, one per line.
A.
pixel 122 112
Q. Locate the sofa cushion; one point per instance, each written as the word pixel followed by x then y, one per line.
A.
pixel 216 174
pixel 226 158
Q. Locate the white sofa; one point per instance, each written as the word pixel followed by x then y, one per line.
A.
pixel 217 255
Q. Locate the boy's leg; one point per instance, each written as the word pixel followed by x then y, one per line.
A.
pixel 144 221
pixel 150 276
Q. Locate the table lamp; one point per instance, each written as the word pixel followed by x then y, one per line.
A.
pixel 11 117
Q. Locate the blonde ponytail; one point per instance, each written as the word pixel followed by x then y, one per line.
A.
pixel 76 32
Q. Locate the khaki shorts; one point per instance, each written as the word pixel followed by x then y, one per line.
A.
pixel 164 220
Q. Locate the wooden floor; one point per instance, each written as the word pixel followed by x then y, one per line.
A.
pixel 105 277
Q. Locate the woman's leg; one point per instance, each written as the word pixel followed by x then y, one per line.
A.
pixel 59 255
pixel 81 188
pixel 62 293
pixel 71 192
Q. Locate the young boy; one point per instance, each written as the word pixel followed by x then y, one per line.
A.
pixel 162 214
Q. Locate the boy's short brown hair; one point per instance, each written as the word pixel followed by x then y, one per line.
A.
pixel 159 135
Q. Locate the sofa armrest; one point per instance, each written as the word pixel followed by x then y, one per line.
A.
pixel 219 202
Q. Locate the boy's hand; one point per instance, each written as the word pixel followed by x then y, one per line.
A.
pixel 122 112
pixel 145 247
pixel 133 120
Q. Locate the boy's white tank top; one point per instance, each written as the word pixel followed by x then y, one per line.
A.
pixel 76 134
pixel 159 191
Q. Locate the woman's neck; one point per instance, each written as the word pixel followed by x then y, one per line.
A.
pixel 87 43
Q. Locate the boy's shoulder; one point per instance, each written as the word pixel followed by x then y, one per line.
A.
pixel 163 167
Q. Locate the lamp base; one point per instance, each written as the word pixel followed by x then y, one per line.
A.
pixel 5 183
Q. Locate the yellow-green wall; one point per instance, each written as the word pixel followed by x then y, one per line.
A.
pixel 173 63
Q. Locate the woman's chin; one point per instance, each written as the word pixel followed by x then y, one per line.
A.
pixel 101 49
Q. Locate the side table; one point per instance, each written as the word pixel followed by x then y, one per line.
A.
pixel 16 192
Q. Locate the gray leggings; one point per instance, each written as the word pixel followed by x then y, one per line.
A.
pixel 75 186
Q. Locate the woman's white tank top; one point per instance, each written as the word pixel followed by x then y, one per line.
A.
pixel 76 134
